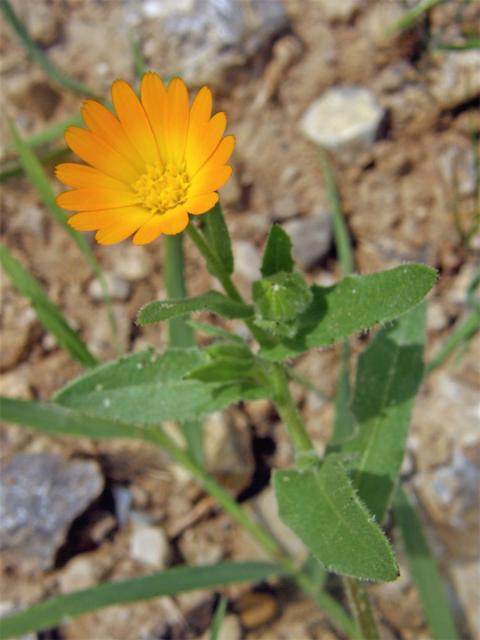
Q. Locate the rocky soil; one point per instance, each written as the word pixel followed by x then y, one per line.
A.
pixel 398 116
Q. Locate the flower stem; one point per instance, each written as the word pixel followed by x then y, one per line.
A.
pixel 361 607
pixel 181 333
pixel 288 412
pixel 182 457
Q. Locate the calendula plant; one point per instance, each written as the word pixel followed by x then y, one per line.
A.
pixel 153 165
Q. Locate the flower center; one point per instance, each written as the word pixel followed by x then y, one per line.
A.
pixel 162 187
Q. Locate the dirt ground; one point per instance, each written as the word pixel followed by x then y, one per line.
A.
pixel 412 194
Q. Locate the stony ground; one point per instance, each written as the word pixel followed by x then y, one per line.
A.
pixel 409 190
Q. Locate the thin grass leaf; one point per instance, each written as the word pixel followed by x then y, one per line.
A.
pixel 57 420
pixel 218 618
pixel 56 611
pixel 424 569
pixel 470 43
pixel 14 169
pixel 340 231
pixel 138 59
pixel 463 332
pixel 47 312
pixel 37 176
pixel 38 56
pixel 407 21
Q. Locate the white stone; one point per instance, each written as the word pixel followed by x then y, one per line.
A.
pixel 340 9
pixel 456 78
pixel 80 573
pixel 131 262
pixel 150 546
pixel 346 120
pixel 118 288
pixel 247 259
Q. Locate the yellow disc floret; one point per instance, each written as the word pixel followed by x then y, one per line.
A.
pixel 162 187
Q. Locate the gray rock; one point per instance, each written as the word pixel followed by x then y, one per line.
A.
pixel 42 495
pixel 456 77
pixel 131 262
pixel 345 120
pixel 119 289
pixel 247 259
pixel 209 36
pixel 311 238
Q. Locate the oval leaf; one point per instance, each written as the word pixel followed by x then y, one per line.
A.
pixel 355 304
pixel 323 509
pixel 149 387
pixel 278 252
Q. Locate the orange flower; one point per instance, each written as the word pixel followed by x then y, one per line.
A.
pixel 157 161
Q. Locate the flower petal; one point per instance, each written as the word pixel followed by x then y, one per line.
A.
pixel 92 220
pixel 201 204
pixel 154 101
pixel 170 223
pixel 209 178
pixel 96 199
pixel 178 113
pixel 201 109
pixel 91 148
pixel 222 153
pixel 134 121
pixel 120 231
pixel 102 122
pixel 202 142
pixel 80 175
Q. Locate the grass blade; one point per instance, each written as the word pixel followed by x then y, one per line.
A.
pixel 47 312
pixel 38 56
pixel 409 18
pixel 13 169
pixel 53 612
pixel 57 420
pixel 424 569
pixel 218 619
pixel 37 176
pixel 340 231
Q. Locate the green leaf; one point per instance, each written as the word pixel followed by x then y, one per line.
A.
pixel 37 54
pixel 217 332
pixel 344 424
pixel 218 619
pixel 356 303
pixel 424 569
pixel 51 613
pixel 278 252
pixel 211 301
pixel 58 420
pixel 389 374
pixel 149 387
pixel 47 312
pixel 321 506
pixel 218 237
pixel 279 299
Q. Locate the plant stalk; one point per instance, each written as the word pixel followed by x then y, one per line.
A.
pixel 361 607
pixel 180 333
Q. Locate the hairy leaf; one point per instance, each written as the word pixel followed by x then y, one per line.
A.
pixel 211 301
pixel 389 374
pixel 278 252
pixel 149 387
pixel 321 506
pixel 356 303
